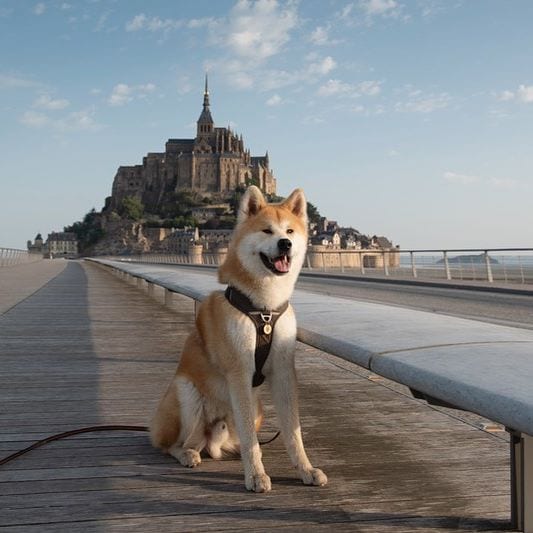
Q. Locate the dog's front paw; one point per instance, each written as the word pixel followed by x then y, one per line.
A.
pixel 315 476
pixel 258 483
pixel 190 458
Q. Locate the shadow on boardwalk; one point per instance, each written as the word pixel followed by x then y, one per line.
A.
pixel 88 349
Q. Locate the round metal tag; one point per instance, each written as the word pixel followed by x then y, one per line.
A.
pixel 267 329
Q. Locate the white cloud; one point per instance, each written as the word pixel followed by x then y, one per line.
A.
pixel 525 93
pixel 335 87
pixel 274 100
pixel 74 121
pixel 379 7
pixel 46 102
pixel 320 37
pixel 201 23
pixel 8 81
pixel 418 102
pixel 365 12
pixel 153 24
pixel 346 11
pixel 462 179
pixel 369 88
pixel 78 121
pixel 34 119
pixel 123 93
pixel 503 183
pixel 340 88
pixel 322 67
pixel 245 74
pixel 101 23
pixel 39 8
pixel 257 30
pixel 467 180
pixel 505 96
pixel 66 5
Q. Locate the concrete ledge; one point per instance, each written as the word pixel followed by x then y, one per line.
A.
pixel 479 367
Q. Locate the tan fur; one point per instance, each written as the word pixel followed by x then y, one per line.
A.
pixel 210 404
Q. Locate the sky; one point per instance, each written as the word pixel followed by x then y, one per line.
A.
pixel 405 118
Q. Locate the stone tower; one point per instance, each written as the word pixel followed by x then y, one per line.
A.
pixel 205 124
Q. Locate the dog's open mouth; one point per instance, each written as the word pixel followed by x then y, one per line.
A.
pixel 278 265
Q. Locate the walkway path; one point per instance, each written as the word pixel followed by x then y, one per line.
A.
pixel 89 349
pixel 20 281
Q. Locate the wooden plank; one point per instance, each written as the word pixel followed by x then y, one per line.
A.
pixel 90 349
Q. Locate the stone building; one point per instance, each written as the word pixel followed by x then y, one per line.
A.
pixel 37 246
pixel 62 244
pixel 214 163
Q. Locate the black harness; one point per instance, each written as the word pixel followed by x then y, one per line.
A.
pixel 264 321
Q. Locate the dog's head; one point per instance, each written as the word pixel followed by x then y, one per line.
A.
pixel 271 239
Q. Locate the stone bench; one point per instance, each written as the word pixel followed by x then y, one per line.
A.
pixel 475 366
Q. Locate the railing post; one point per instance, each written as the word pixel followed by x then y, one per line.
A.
pixel 362 263
pixel 521 481
pixel 150 288
pixel 385 264
pixel 413 266
pixel 341 262
pixel 168 297
pixel 446 265
pixel 490 279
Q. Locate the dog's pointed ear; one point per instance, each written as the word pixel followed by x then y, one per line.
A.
pixel 252 202
pixel 296 203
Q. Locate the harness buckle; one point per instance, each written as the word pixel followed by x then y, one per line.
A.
pixel 266 317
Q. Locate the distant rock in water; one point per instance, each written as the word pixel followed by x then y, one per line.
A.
pixel 469 259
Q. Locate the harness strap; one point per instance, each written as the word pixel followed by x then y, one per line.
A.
pixel 264 321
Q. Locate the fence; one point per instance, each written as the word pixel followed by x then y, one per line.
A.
pixel 12 256
pixel 502 265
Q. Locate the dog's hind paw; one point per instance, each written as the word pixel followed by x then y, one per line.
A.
pixel 189 457
pixel 258 483
pixel 315 476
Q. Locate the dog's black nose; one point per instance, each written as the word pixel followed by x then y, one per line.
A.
pixel 284 245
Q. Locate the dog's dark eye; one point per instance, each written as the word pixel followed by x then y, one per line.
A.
pixel 267 231
pixel 289 231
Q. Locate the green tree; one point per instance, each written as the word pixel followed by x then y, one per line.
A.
pixel 88 231
pixel 131 208
pixel 313 214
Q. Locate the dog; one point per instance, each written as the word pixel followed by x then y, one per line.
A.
pixel 211 404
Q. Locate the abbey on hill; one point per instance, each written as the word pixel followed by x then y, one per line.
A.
pixel 214 163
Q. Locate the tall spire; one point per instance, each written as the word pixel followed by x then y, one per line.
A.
pixel 206 94
pixel 205 123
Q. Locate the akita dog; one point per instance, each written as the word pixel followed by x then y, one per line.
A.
pixel 242 337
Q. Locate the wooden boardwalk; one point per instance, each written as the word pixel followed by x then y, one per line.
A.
pixel 89 349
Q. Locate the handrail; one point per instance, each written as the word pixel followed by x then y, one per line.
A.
pixel 488 265
pixel 14 256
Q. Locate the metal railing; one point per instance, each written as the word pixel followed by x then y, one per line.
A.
pixel 12 256
pixel 501 265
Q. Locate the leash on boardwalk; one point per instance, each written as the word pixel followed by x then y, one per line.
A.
pixel 90 429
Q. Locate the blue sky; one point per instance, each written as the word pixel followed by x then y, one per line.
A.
pixel 405 118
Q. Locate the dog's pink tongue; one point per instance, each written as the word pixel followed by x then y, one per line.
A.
pixel 282 264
